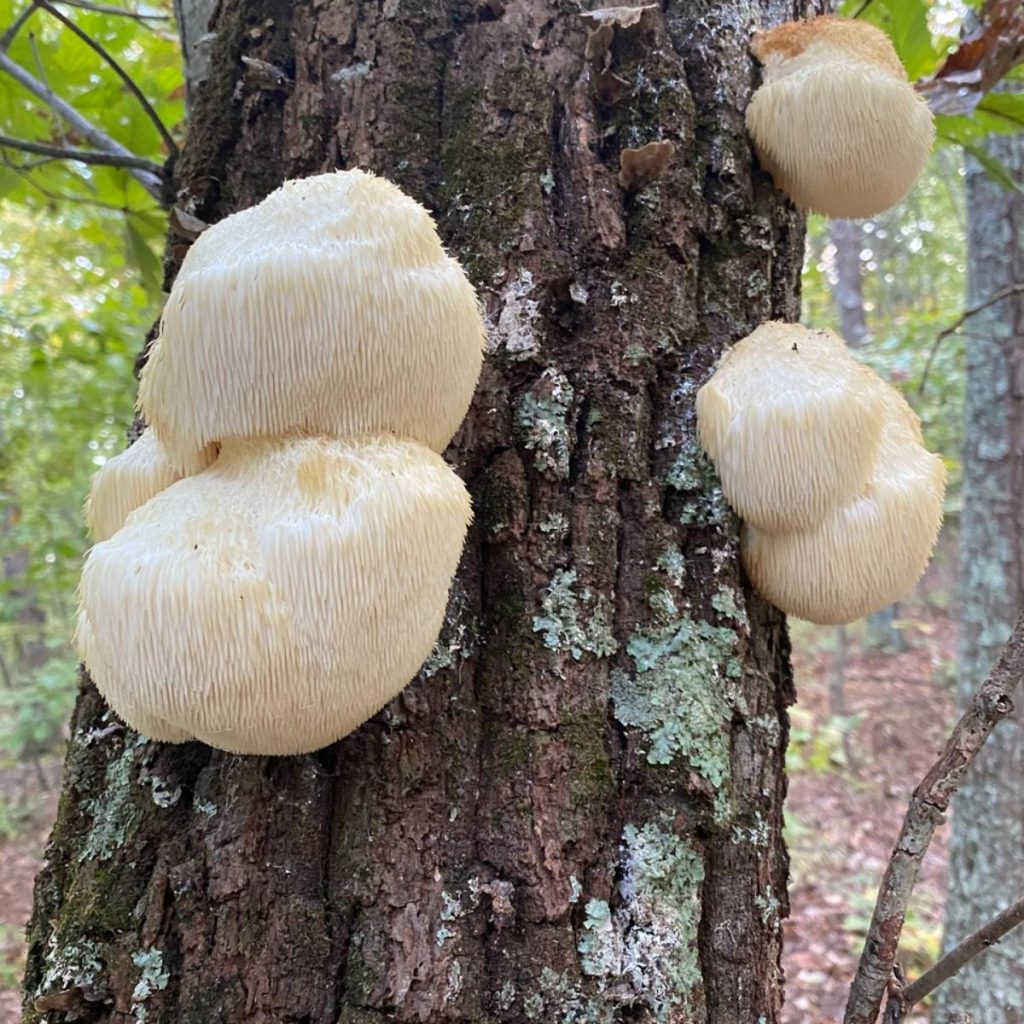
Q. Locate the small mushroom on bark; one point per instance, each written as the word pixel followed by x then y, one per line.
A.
pixel 330 307
pixel 835 122
pixel 275 601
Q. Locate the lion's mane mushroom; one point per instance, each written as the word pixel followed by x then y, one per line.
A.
pixel 835 122
pixel 329 308
pixel 275 601
pixel 791 421
pixel 129 480
pixel 864 555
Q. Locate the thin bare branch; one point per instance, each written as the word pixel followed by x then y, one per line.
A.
pixel 119 12
pixel 990 704
pixel 987 935
pixel 8 37
pixel 150 180
pixel 84 156
pixel 1003 293
pixel 129 82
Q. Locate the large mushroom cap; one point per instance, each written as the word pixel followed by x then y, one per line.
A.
pixel 331 308
pixel 868 553
pixel 792 422
pixel 274 602
pixel 835 122
pixel 129 480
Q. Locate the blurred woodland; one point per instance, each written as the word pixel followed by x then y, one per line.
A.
pixel 80 287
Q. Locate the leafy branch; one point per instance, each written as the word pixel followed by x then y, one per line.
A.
pixel 990 705
pixel 106 150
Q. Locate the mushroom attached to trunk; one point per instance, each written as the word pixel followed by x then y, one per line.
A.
pixel 864 555
pixel 331 308
pixel 791 421
pixel 275 601
pixel 835 122
pixel 129 480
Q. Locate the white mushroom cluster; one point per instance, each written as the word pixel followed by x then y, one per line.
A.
pixel 276 549
pixel 835 121
pixel 825 463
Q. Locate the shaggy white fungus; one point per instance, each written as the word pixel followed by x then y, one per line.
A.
pixel 791 421
pixel 275 601
pixel 329 308
pixel 866 554
pixel 835 122
pixel 129 480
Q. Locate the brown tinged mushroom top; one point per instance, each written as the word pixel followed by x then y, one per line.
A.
pixel 331 307
pixel 275 601
pixel 835 121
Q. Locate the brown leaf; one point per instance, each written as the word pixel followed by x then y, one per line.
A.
pixel 987 52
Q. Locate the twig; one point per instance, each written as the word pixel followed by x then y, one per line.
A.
pixel 990 704
pixel 1003 293
pixel 8 37
pixel 84 156
pixel 129 82
pixel 987 935
pixel 116 11
pixel 863 7
pixel 150 180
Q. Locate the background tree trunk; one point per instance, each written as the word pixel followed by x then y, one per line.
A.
pixel 574 814
pixel 988 817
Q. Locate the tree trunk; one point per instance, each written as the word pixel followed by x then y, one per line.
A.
pixel 988 817
pixel 574 813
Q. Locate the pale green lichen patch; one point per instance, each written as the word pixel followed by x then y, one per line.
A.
pixel 599 946
pixel 574 622
pixel 680 694
pixel 113 813
pixel 77 965
pixel 648 942
pixel 154 976
pixel 517 327
pixel 458 637
pixel 542 423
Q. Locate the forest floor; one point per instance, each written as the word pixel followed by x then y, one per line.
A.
pixel 850 779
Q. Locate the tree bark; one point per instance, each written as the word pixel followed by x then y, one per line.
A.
pixel 574 813
pixel 988 814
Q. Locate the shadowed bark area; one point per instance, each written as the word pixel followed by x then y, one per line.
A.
pixel 988 814
pixel 574 813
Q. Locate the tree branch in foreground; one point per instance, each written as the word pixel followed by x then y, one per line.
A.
pixel 172 146
pixel 84 156
pixel 1003 293
pixel 151 180
pixel 990 704
pixel 987 935
pixel 118 12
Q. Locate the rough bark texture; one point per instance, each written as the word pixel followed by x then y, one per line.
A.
pixel 574 813
pixel 988 819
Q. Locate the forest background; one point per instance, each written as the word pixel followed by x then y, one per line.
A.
pixel 81 284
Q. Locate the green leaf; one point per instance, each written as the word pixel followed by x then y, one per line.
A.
pixel 142 256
